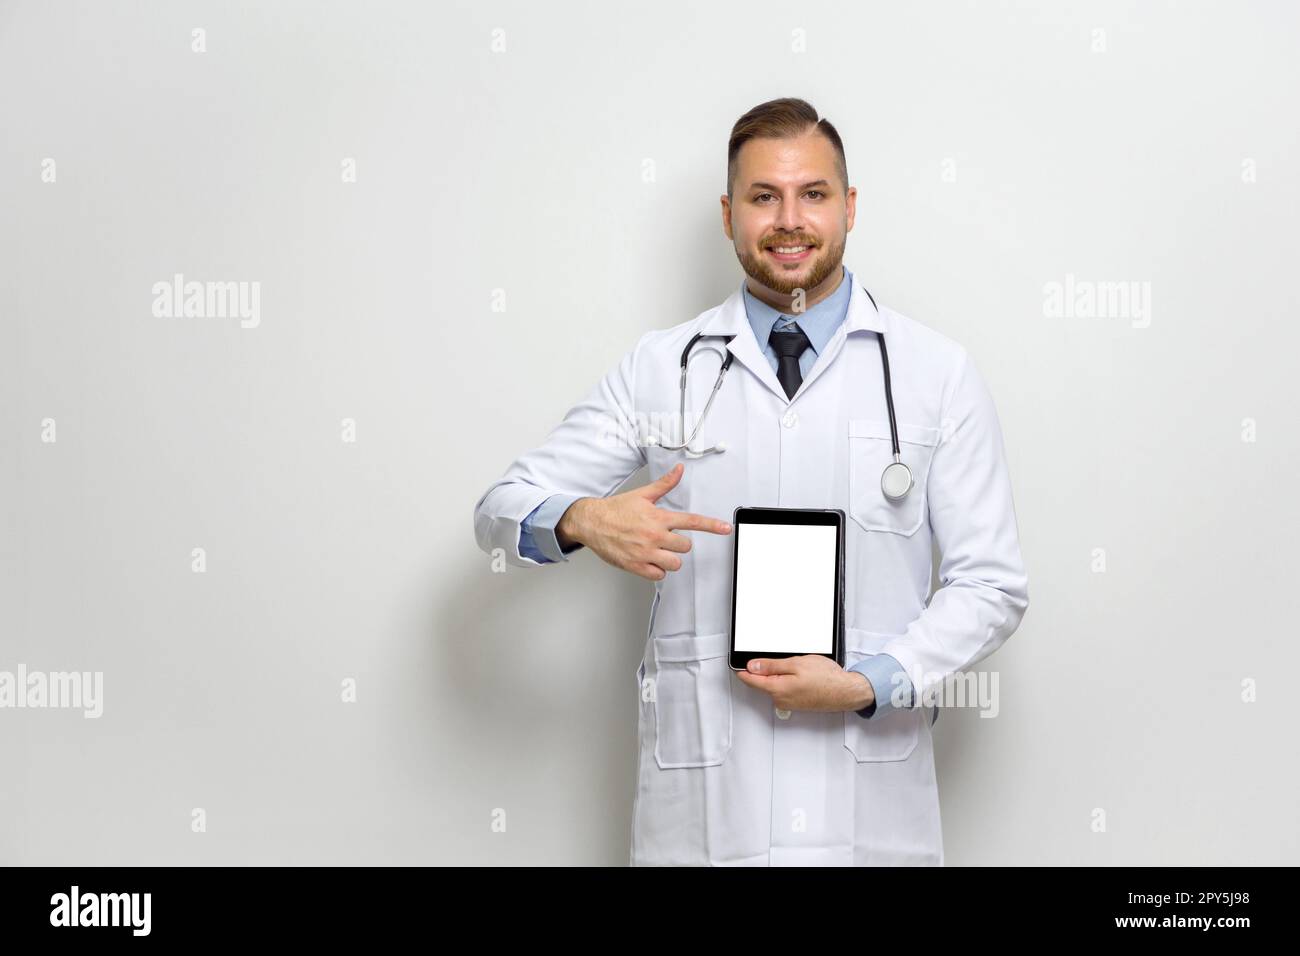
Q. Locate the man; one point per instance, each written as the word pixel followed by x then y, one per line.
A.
pixel 798 760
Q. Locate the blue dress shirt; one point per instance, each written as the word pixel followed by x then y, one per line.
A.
pixel 537 539
pixel 818 323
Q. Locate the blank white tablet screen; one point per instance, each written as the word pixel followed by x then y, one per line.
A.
pixel 785 588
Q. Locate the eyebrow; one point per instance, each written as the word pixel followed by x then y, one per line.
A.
pixel 817 182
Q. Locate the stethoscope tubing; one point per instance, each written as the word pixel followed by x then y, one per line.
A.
pixel 717 384
pixel 722 372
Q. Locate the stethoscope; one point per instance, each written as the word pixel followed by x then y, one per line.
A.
pixel 895 480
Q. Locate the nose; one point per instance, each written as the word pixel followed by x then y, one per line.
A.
pixel 789 218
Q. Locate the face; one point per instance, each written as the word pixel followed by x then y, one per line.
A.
pixel 788 196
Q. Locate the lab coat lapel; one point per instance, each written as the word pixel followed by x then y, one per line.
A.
pixel 862 315
pixel 730 319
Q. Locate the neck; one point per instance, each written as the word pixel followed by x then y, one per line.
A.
pixel 782 302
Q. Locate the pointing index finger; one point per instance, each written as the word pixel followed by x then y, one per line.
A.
pixel 686 521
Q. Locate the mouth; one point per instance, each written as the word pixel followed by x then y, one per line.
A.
pixel 790 253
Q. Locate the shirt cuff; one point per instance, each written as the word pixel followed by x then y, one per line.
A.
pixel 885 674
pixel 537 538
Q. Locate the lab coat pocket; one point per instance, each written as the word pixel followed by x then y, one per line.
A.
pixel 871 450
pixel 890 736
pixel 691 696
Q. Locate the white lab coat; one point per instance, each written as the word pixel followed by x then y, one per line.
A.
pixel 724 778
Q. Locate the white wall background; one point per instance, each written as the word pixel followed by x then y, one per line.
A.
pixel 522 171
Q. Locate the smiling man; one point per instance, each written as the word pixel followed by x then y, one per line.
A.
pixel 797 760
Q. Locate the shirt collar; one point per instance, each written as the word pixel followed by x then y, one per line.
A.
pixel 818 323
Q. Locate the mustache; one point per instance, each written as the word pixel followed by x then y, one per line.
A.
pixel 789 241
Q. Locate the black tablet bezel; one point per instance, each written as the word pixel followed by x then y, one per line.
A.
pixel 826 517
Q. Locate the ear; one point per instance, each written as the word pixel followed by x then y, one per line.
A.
pixel 726 217
pixel 851 199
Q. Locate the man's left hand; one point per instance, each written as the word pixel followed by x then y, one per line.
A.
pixel 808 682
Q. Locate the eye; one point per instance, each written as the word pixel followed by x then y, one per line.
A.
pixel 760 196
pixel 815 192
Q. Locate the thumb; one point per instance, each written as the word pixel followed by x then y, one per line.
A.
pixel 660 487
pixel 772 665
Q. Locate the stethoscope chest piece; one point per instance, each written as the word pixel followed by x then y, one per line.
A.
pixel 896 481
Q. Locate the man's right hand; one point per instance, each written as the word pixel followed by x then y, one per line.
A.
pixel 629 532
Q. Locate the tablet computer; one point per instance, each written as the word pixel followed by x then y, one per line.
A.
pixel 787 584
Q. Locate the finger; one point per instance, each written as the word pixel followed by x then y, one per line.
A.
pixel 666 560
pixel 768 685
pixel 650 572
pixel 673 542
pixel 686 521
pixel 664 484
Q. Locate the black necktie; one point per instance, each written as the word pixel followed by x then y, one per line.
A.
pixel 789 345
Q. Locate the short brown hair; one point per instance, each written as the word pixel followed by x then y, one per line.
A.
pixel 781 118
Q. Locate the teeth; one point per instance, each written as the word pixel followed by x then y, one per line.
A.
pixel 789 250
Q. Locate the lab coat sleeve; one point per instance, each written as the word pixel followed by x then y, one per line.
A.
pixel 592 451
pixel 984 589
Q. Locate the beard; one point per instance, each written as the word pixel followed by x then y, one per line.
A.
pixel 786 280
